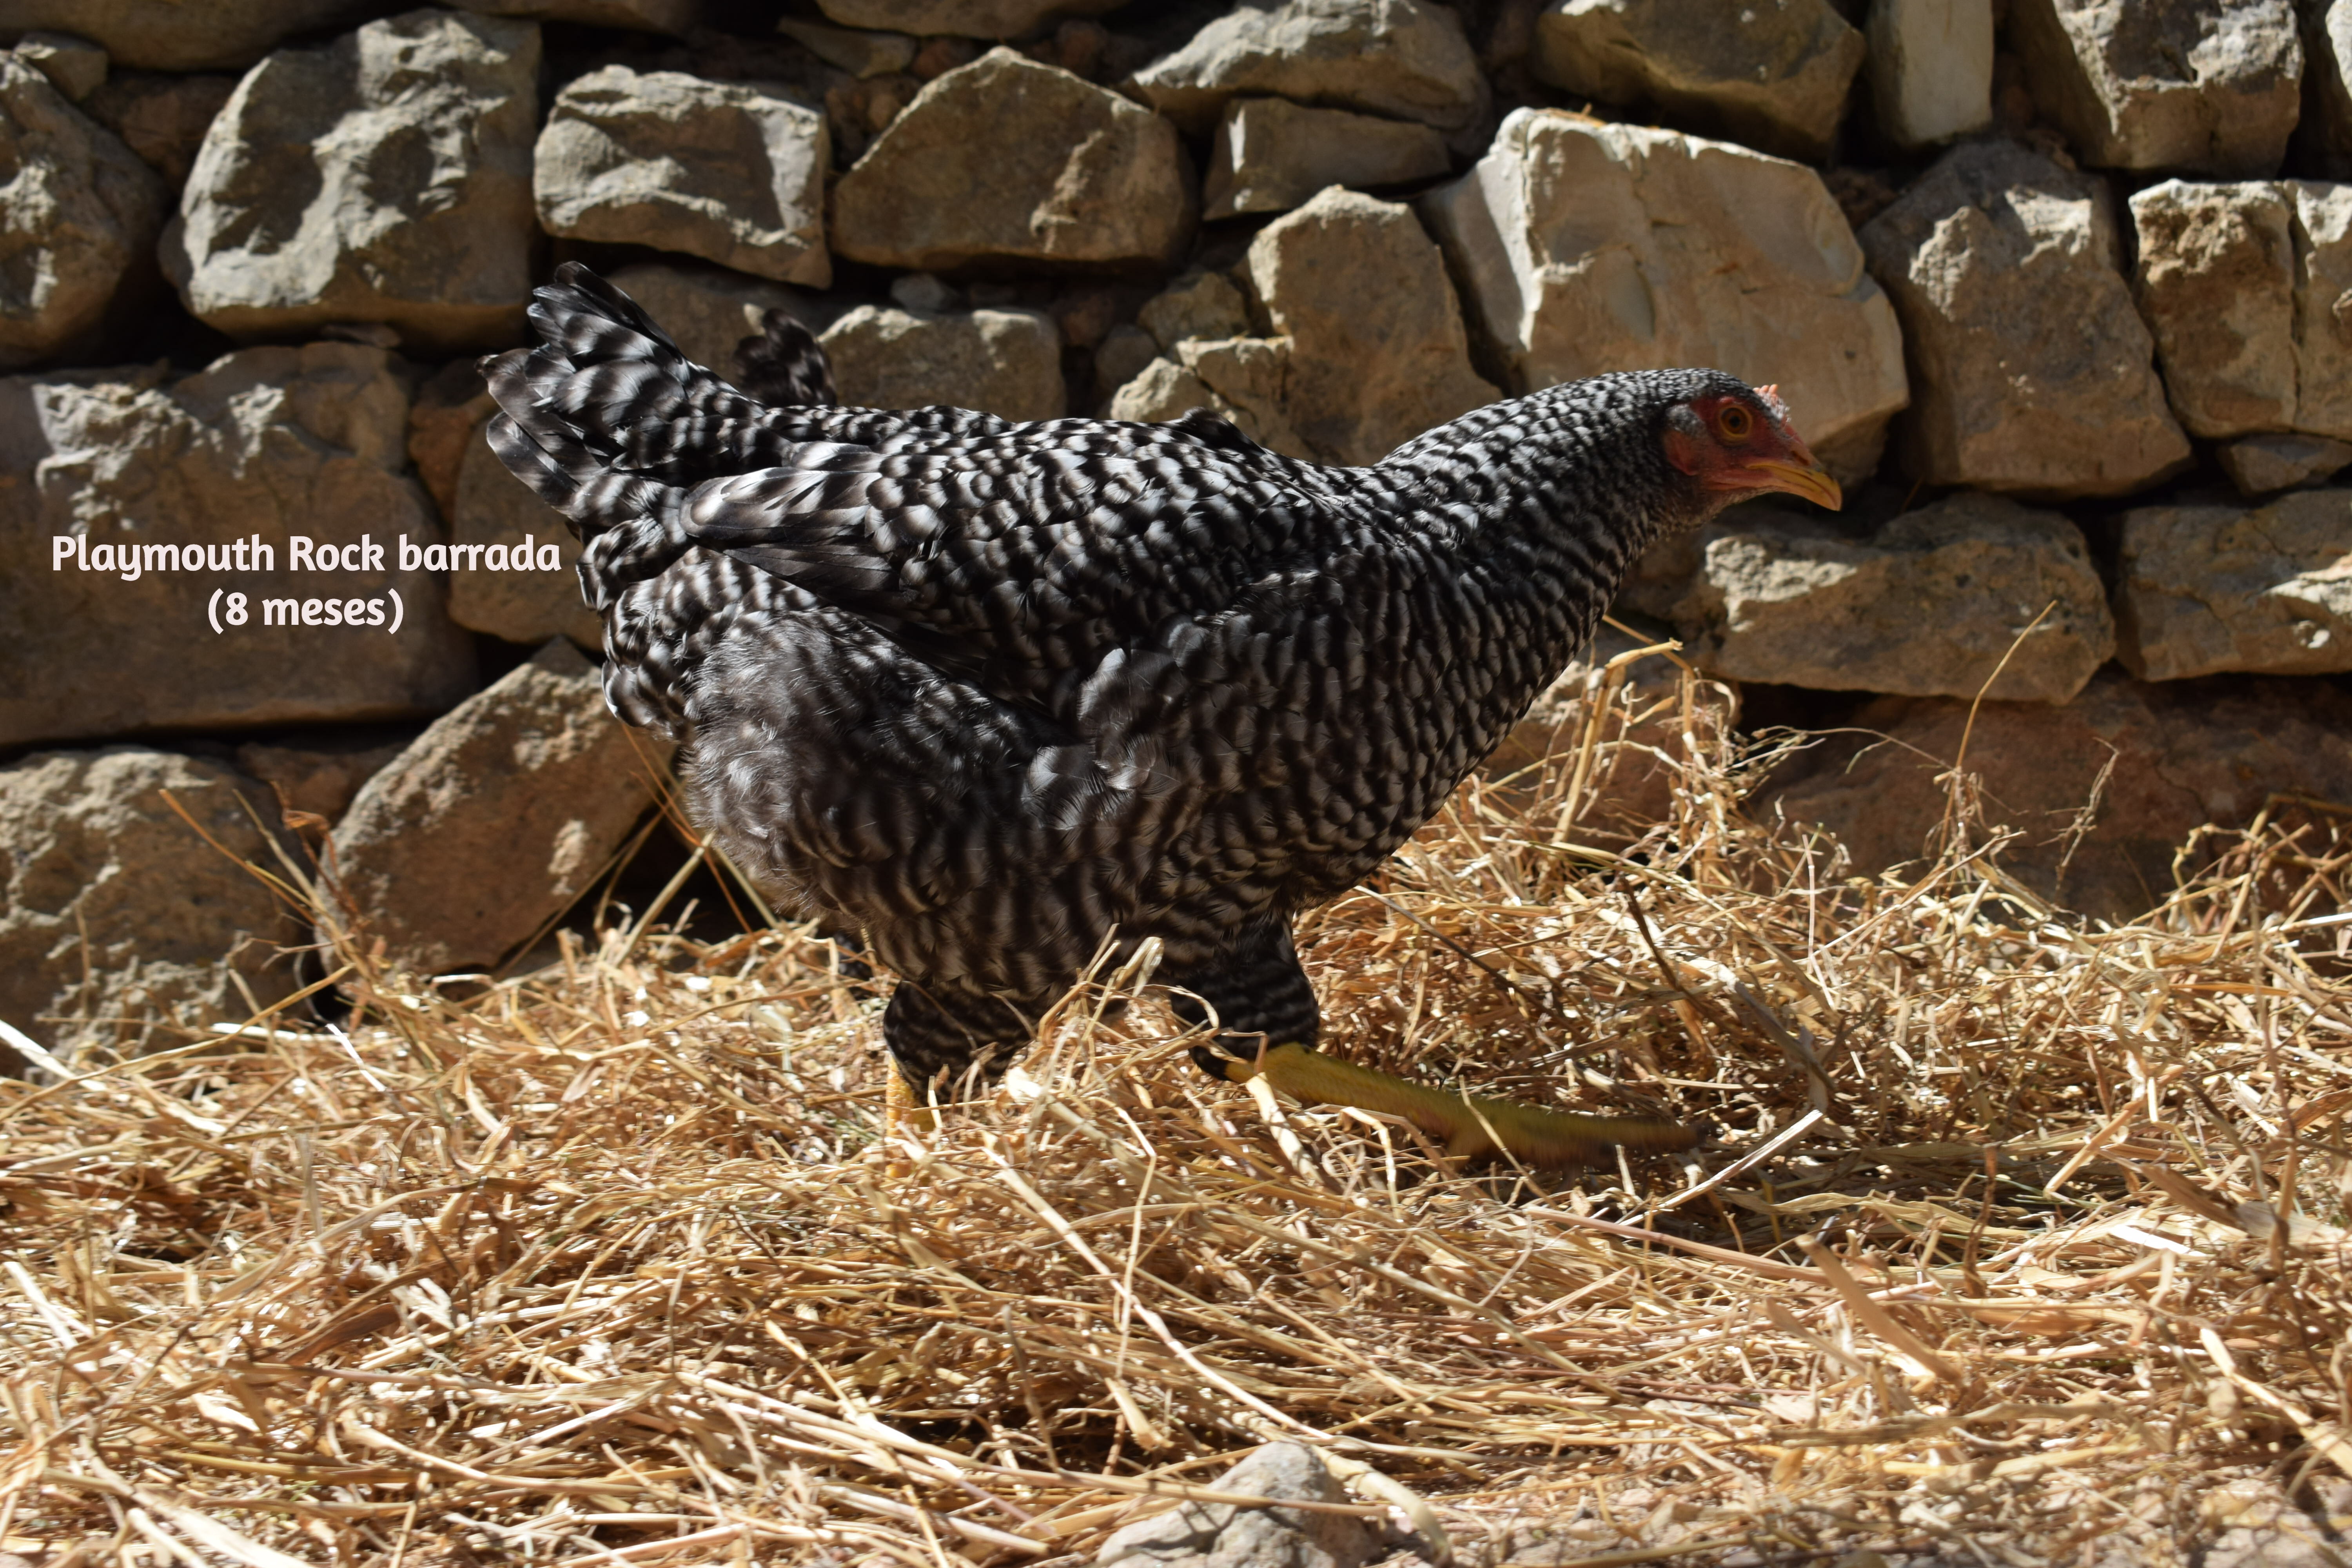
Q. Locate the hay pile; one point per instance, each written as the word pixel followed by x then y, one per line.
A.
pixel 604 1263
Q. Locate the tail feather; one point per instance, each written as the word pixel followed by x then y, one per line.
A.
pixel 784 366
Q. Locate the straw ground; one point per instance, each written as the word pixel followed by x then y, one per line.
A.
pixel 2018 1238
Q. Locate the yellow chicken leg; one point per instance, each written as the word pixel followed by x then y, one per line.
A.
pixel 1467 1125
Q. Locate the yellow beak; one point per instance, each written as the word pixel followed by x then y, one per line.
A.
pixel 1811 481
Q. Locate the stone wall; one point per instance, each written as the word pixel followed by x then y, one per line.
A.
pixel 2062 287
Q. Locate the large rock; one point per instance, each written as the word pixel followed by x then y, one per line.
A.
pixel 1406 59
pixel 78 213
pixel 499 815
pixel 959 18
pixel 1369 350
pixel 320 776
pixel 709 312
pixel 116 914
pixel 162 118
pixel 1774 77
pixel 385 177
pixel 1586 247
pixel 74 65
pixel 1008 159
pixel 2241 284
pixel 723 170
pixel 2202 589
pixel 1221 1535
pixel 185 34
pixel 2323 138
pixel 1007 362
pixel 1931 68
pixel 521 606
pixel 2200 87
pixel 2035 372
pixel 2176 757
pixel 265 445
pixel 1928 606
pixel 1272 154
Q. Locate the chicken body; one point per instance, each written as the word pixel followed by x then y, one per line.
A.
pixel 992 693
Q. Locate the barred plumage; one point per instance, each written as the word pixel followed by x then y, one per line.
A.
pixel 989 693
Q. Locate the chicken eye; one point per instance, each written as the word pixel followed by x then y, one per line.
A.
pixel 1734 422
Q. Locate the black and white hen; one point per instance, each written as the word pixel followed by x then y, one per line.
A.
pixel 992 693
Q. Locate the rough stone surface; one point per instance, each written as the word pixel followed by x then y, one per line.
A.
pixel 2202 589
pixel 2215 279
pixel 1221 1535
pixel 1930 68
pixel 959 18
pixel 185 34
pixel 1166 389
pixel 78 213
pixel 319 777
pixel 76 67
pixel 1586 247
pixel 2322 137
pixel 1928 606
pixel 1198 305
pixel 2183 755
pixel 1007 362
pixel 267 442
pixel 675 17
pixel 2033 372
pixel 1272 154
pixel 162 118
pixel 709 312
pixel 497 818
pixel 1406 59
pixel 2203 86
pixel 385 177
pixel 2242 285
pixel 861 54
pixel 1122 355
pixel 1007 159
pixel 1775 78
pixel 89 850
pixel 722 170
pixel 2259 465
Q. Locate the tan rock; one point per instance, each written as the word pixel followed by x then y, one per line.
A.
pixel 1006 363
pixel 263 446
pixel 1006 159
pixel 709 312
pixel 116 915
pixel 2033 371
pixel 1930 605
pixel 1209 1535
pixel 2209 88
pixel 185 35
pixel 2323 307
pixel 1775 79
pixel 2174 757
pixel 1931 68
pixel 320 777
pixel 2202 589
pixel 497 818
pixel 1121 356
pixel 1377 352
pixel 1405 59
pixel 1165 389
pixel 2322 144
pixel 78 213
pixel 861 54
pixel 1586 247
pixel 1272 154
pixel 385 177
pixel 959 18
pixel 516 604
pixel 723 170
pixel 2215 280
pixel 162 118
pixel 1197 305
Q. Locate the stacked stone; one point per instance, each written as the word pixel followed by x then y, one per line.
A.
pixel 2067 300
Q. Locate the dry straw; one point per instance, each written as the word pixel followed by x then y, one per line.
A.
pixel 2018 1240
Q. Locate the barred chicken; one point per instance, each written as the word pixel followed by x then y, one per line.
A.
pixel 990 695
